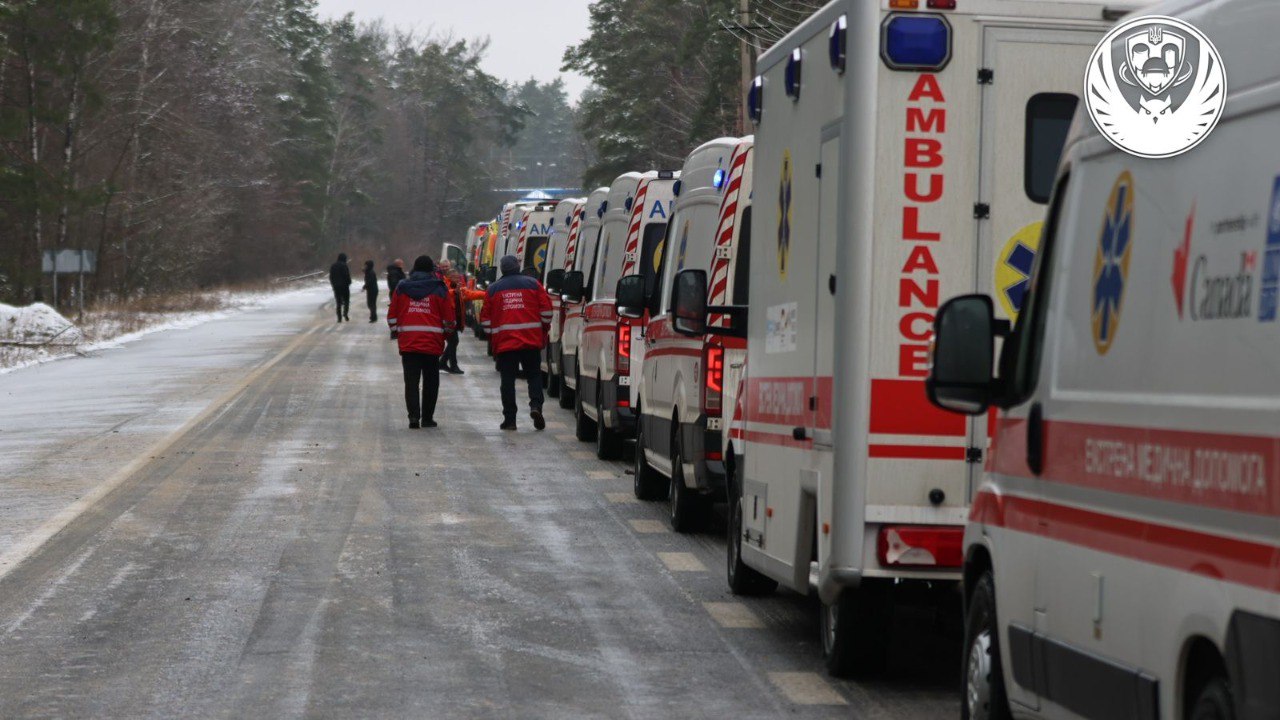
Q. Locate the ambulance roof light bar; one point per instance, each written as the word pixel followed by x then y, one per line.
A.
pixel 915 42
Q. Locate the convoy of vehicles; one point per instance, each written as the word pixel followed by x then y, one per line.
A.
pixel 1119 509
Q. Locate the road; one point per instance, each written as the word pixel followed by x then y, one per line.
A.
pixel 235 521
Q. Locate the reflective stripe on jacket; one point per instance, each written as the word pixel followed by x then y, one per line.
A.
pixel 421 314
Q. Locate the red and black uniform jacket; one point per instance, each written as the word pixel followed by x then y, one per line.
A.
pixel 421 314
pixel 516 314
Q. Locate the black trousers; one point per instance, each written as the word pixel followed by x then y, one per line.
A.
pixel 421 370
pixel 522 363
pixel 372 296
pixel 450 357
pixel 342 296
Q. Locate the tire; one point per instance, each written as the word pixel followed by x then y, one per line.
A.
pixel 649 483
pixel 688 508
pixel 584 428
pixel 608 442
pixel 1213 702
pixel 743 579
pixel 566 393
pixel 855 630
pixel 984 696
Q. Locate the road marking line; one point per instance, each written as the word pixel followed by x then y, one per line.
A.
pixel 681 562
pixel 602 475
pixel 806 688
pixel 621 498
pixel 732 615
pixel 582 454
pixel 29 545
pixel 567 438
pixel 557 426
pixel 648 526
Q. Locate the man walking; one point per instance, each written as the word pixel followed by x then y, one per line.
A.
pixel 421 315
pixel 452 280
pixel 395 275
pixel 517 316
pixel 340 279
pixel 371 290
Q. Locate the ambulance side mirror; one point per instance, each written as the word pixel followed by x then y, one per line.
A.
pixel 631 296
pixel 573 288
pixel 555 281
pixel 962 379
pixel 689 303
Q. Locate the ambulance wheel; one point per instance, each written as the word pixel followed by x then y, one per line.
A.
pixel 984 692
pixel 855 630
pixel 688 508
pixel 584 428
pixel 649 483
pixel 566 393
pixel 1213 702
pixel 743 580
pixel 608 441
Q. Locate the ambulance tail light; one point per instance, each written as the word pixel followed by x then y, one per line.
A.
pixel 915 42
pixel 622 353
pixel 713 380
pixel 942 4
pixel 920 546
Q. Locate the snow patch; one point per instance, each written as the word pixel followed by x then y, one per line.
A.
pixel 36 324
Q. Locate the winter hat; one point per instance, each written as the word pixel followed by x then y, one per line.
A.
pixel 424 264
pixel 342 257
pixel 510 264
pixel 368 264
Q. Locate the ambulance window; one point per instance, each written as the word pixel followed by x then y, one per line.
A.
pixel 651 245
pixel 1028 338
pixel 1048 120
pixel 742 260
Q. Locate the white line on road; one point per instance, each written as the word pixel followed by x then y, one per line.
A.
pixel 582 455
pixel 648 526
pixel 806 688
pixel 621 498
pixel 567 438
pixel 27 546
pixel 681 562
pixel 602 474
pixel 732 615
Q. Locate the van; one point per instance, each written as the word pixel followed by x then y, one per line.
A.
pixel 533 233
pixel 611 352
pixel 679 395
pixel 575 292
pixel 893 165
pixel 565 225
pixel 1122 557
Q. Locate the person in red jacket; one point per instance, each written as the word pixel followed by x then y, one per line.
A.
pixel 420 317
pixel 517 316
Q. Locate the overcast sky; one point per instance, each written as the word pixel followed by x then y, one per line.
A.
pixel 527 37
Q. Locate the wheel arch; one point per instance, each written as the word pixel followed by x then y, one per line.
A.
pixel 1201 660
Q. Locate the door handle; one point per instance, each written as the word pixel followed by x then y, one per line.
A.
pixel 1035 439
pixel 799 433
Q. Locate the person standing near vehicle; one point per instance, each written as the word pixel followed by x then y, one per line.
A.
pixel 420 317
pixel 371 290
pixel 450 358
pixel 517 317
pixel 395 275
pixel 340 279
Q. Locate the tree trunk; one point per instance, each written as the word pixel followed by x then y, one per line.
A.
pixel 33 139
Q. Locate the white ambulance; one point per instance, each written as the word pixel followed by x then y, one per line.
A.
pixel 611 349
pixel 1122 558
pixel 581 254
pixel 567 221
pixel 901 150
pixel 680 394
pixel 533 233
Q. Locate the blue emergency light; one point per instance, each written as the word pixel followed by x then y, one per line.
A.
pixel 717 180
pixel 791 75
pixel 838 44
pixel 915 42
pixel 755 100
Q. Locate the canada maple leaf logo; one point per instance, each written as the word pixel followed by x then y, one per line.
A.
pixel 1180 255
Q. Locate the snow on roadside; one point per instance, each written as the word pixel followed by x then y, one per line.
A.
pixel 38 334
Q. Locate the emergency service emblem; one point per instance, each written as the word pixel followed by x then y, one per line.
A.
pixel 784 215
pixel 1111 263
pixel 1155 86
pixel 1013 271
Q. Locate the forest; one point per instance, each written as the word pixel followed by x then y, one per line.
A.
pixel 197 144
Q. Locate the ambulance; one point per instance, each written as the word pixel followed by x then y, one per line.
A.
pixel 680 397
pixel 565 226
pixel 533 232
pixel 900 153
pixel 578 259
pixel 1122 557
pixel 473 247
pixel 611 350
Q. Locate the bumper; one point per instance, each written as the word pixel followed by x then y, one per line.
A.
pixel 554 360
pixel 620 419
pixel 703 446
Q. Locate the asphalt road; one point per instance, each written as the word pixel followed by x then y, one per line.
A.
pixel 263 536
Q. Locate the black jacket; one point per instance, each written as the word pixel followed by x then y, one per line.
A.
pixel 370 281
pixel 340 275
pixel 395 275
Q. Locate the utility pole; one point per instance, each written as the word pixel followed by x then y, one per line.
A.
pixel 748 58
